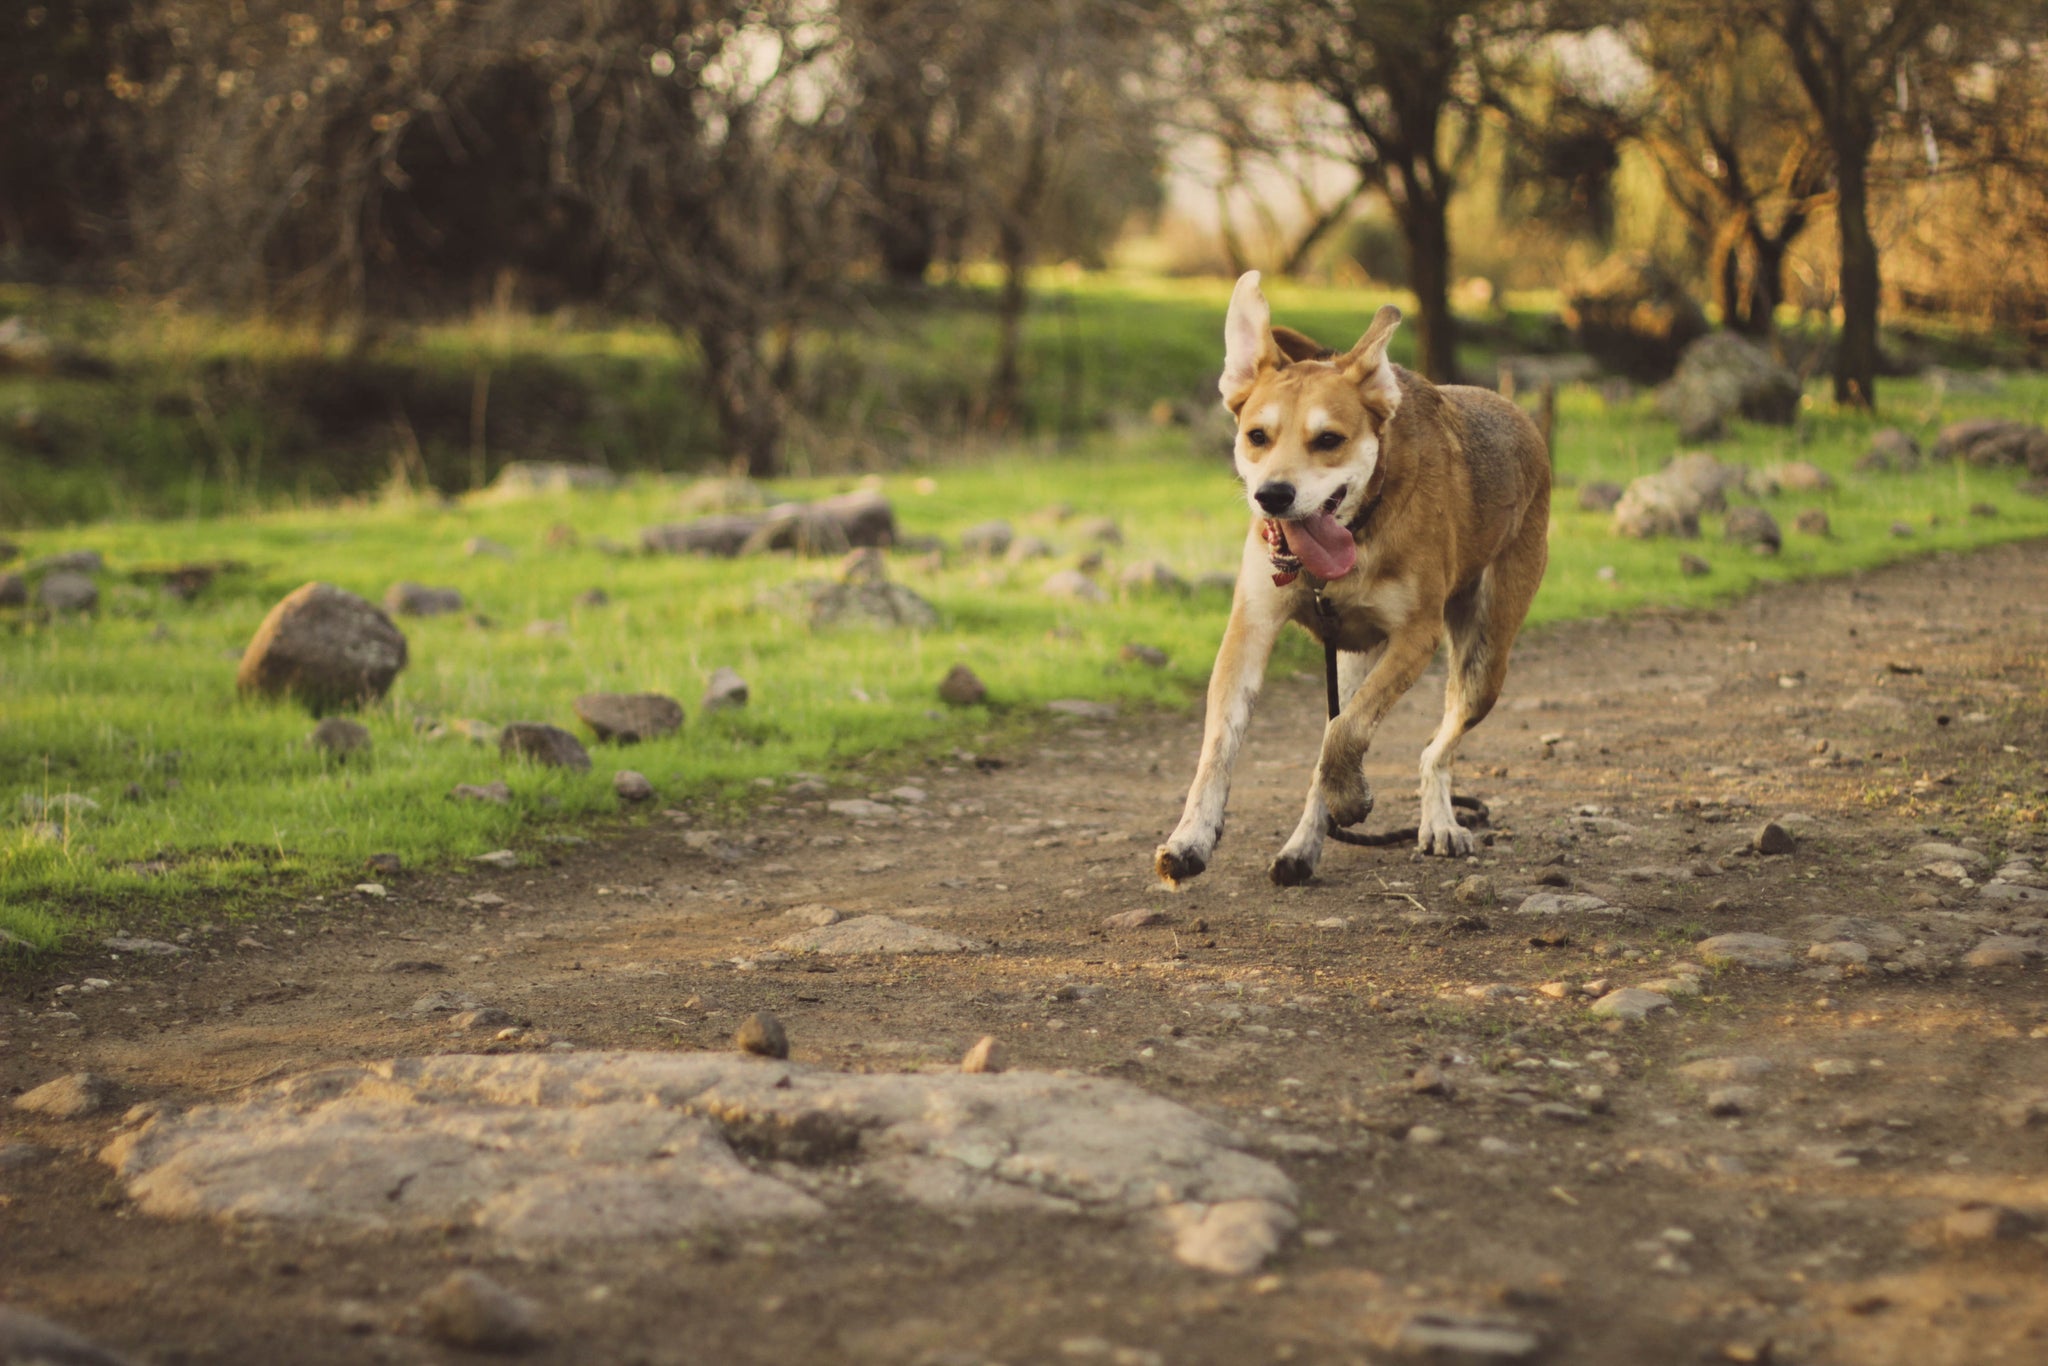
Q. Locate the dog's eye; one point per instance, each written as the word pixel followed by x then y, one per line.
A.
pixel 1329 441
pixel 1256 436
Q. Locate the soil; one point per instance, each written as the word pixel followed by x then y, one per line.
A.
pixel 1578 1185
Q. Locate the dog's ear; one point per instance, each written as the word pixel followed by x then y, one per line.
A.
pixel 1299 345
pixel 1366 364
pixel 1248 347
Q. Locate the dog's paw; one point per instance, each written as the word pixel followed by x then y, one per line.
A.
pixel 1444 841
pixel 1176 866
pixel 1346 795
pixel 1291 870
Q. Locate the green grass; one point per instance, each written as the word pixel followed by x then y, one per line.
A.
pixel 228 799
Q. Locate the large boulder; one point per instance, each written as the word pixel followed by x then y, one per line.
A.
pixel 1722 376
pixel 1634 317
pixel 830 526
pixel 1994 443
pixel 324 647
pixel 1669 502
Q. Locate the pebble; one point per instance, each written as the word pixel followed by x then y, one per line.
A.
pixel 499 793
pixel 497 858
pixel 632 786
pixel 1630 1003
pixel 471 1310
pixel 1731 1100
pixel 374 890
pixel 987 1055
pixel 1772 838
pixel 1136 919
pixel 1476 890
pixel 154 948
pixel 1763 952
pixel 70 1097
pixel 387 864
pixel 763 1035
pixel 962 687
pixel 1831 1068
pixel 1425 1135
pixel 724 689
pixel 1429 1080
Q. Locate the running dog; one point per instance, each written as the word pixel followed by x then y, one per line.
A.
pixel 1387 512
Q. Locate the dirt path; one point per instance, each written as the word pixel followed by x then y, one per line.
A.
pixel 1477 1155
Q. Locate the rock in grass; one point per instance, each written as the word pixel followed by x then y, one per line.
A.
pixel 26 1340
pixel 470 1310
pixel 1796 476
pixel 987 1055
pixel 1773 838
pixel 962 687
pixel 13 590
pixel 726 688
pixel 1630 1003
pixel 1151 656
pixel 1693 567
pixel 1074 586
pixel 762 1035
pixel 863 566
pixel 1755 528
pixel 70 1097
pixel 498 792
pixel 478 546
pixel 72 561
pixel 987 539
pixel 632 786
pixel 324 647
pixel 497 858
pixel 1599 496
pixel 1103 529
pixel 405 599
pixel 548 745
pixel 1762 952
pixel 67 591
pixel 1891 451
pixel 340 737
pixel 1812 522
pixel 387 864
pixel 1151 576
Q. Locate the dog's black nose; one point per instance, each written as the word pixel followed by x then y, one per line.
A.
pixel 1275 498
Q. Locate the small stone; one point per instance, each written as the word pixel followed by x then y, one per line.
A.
pixel 629 718
pixel 2002 951
pixel 1456 1337
pixel 1772 838
pixel 763 1035
pixel 1753 527
pixel 376 891
pixel 1476 890
pixel 1429 1080
pixel 549 746
pixel 1150 656
pixel 71 1097
pixel 1729 1069
pixel 67 591
pixel 861 809
pixel 1136 920
pixel 1902 530
pixel 339 736
pixel 632 786
pixel 1693 567
pixel 1630 1003
pixel 1027 548
pixel 1844 952
pixel 1153 576
pixel 987 1055
pixel 478 546
pixel 498 792
pixel 483 1017
pixel 1832 1068
pixel 1103 529
pixel 1231 1238
pixel 1981 1222
pixel 417 600
pixel 387 864
pixel 1599 495
pixel 1812 522
pixel 1081 707
pixel 987 539
pixel 1072 584
pixel 726 688
pixel 153 948
pixel 1563 903
pixel 497 858
pixel 961 687
pixel 593 597
pixel 1725 1101
pixel 1425 1135
pixel 1762 952
pixel 1931 851
pixel 471 1310
pixel 1561 1112
pixel 813 915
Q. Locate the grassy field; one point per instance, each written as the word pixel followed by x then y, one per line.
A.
pixel 204 801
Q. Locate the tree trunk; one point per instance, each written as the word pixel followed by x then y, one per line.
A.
pixel 743 395
pixel 1856 359
pixel 1007 380
pixel 1728 273
pixel 1767 288
pixel 1421 211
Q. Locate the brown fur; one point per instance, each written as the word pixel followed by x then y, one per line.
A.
pixel 1451 486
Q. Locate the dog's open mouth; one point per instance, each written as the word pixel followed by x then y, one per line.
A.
pixel 1319 541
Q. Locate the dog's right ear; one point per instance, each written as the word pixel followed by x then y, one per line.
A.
pixel 1248 347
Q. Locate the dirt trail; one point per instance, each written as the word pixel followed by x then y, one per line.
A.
pixel 1473 1155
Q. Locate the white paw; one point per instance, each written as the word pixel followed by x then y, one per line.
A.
pixel 1444 839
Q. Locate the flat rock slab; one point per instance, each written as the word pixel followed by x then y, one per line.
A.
pixel 1764 952
pixel 876 934
pixel 1565 903
pixel 561 1148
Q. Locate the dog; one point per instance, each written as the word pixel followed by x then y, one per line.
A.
pixel 1395 512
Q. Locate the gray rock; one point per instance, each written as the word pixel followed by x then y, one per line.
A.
pixel 962 687
pixel 632 786
pixel 1813 522
pixel 875 934
pixel 1794 476
pixel 147 948
pixel 628 718
pixel 1763 952
pixel 26 1340
pixel 2002 951
pixel 1565 903
pixel 862 809
pixel 1840 952
pixel 1150 656
pixel 550 746
pixel 868 604
pixel 830 526
pixel 1083 708
pixel 1653 505
pixel 324 647
pixel 499 792
pixel 69 1097
pixel 406 599
pixel 341 737
pixel 477 547
pixel 762 1035
pixel 1994 443
pixel 717 537
pixel 1137 919
pixel 1599 496
pixel 1772 838
pixel 1753 527
pixel 472 1311
pixel 1151 576
pixel 1448 1337
pixel 1891 451
pixel 1027 548
pixel 1934 851
pixel 1999 890
pixel 546 1150
pixel 1723 376
pixel 522 479
pixel 70 562
pixel 497 858
pixel 1630 1003
pixel 986 1056
pixel 1074 586
pixel 987 539
pixel 13 590
pixel 1693 567
pixel 1744 1067
pixel 724 689
pixel 1881 939
pixel 1476 890
pixel 67 591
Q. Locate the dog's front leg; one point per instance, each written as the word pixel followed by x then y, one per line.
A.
pixel 1338 794
pixel 1255 621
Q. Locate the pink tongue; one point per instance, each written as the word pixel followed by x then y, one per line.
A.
pixel 1322 545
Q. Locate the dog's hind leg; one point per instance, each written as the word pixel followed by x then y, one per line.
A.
pixel 1482 625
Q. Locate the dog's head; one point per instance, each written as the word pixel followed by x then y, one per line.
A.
pixel 1308 424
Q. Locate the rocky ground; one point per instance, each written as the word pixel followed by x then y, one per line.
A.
pixel 1731 1046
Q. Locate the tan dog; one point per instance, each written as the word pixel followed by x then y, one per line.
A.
pixel 1409 510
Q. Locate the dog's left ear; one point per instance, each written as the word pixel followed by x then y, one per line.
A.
pixel 1248 347
pixel 1366 364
